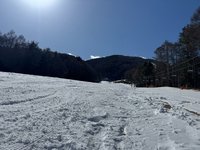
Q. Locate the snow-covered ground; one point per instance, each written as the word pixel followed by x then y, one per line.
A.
pixel 58 114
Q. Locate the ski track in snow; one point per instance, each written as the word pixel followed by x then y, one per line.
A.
pixel 58 114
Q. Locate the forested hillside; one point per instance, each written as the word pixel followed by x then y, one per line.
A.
pixel 17 55
pixel 116 67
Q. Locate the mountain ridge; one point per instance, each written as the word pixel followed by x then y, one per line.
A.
pixel 115 67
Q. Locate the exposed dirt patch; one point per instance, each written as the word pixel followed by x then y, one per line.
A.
pixel 167 105
pixel 193 112
pixel 185 101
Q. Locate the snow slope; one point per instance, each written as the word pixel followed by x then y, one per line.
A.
pixel 58 114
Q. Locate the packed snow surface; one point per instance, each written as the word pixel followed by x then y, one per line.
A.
pixel 58 114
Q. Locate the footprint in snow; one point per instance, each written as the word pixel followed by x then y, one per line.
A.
pixel 2 136
pixel 122 131
pixel 98 118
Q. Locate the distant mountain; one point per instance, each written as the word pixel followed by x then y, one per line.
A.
pixel 114 67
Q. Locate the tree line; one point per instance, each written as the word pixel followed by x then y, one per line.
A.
pixel 21 56
pixel 175 63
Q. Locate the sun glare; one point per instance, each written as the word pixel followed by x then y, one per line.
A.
pixel 40 3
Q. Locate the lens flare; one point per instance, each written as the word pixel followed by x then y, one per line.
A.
pixel 40 3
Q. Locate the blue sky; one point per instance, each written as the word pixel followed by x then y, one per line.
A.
pixel 98 27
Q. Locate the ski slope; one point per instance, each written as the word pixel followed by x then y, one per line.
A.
pixel 58 114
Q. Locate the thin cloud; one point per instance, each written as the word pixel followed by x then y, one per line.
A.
pixel 143 57
pixel 94 57
pixel 71 54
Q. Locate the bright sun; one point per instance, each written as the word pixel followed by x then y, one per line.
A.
pixel 40 3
